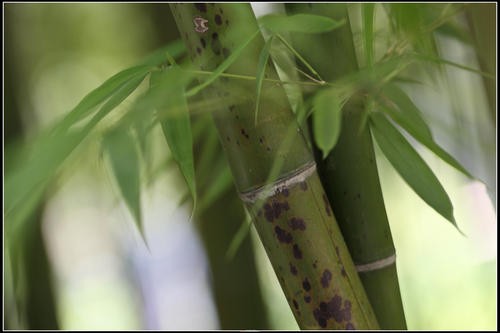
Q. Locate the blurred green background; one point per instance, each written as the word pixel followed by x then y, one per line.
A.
pixel 102 274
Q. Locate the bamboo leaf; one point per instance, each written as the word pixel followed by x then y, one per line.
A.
pixel 327 106
pixel 368 13
pixel 37 163
pixel 124 161
pixel 103 92
pixel 409 117
pixel 304 23
pixel 439 61
pixel 173 50
pixel 173 113
pixel 411 166
pixel 261 70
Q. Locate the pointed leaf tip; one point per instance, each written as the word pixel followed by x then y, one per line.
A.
pixel 327 119
pixel 412 168
pixel 124 162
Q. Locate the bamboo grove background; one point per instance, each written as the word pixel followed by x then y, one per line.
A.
pixel 98 272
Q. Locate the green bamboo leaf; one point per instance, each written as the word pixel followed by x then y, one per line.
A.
pixel 368 13
pixel 103 92
pixel 119 145
pixel 327 105
pixel 173 113
pixel 305 23
pixel 37 163
pixel 261 70
pixel 409 117
pixel 411 166
pixel 174 49
pixel 440 61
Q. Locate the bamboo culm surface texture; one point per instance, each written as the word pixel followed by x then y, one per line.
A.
pixel 349 172
pixel 290 211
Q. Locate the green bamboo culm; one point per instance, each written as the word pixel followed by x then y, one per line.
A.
pixel 349 172
pixel 290 210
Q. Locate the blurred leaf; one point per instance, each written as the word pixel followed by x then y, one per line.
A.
pixel 409 20
pixel 411 166
pixel 305 23
pixel 220 183
pixel 261 70
pixel 368 14
pixel 174 49
pixel 439 61
pixel 409 117
pixel 238 238
pixel 124 160
pixel 168 90
pixel 103 92
pixel 36 164
pixel 327 117
pixel 453 30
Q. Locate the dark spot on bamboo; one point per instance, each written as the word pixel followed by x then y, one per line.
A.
pixel 244 133
pixel 337 251
pixel 201 7
pixel 268 148
pixel 326 278
pixel 358 196
pixel 297 224
pixel 216 46
pixel 293 269
pixel 198 50
pixel 268 212
pixel 295 304
pixel 237 117
pixel 286 193
pixel 327 205
pixel 349 326
pixel 315 263
pixel 322 306
pixel 343 272
pixel 221 11
pixel 321 322
pixel 203 43
pixel 226 53
pixel 228 139
pixel 303 186
pixel 307 299
pixel 333 309
pixel 218 19
pixel 227 22
pixel 297 253
pixel 261 140
pixel 282 235
pixel 306 285
pixel 277 208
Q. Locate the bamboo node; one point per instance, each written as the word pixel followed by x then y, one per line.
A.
pixel 377 264
pixel 297 176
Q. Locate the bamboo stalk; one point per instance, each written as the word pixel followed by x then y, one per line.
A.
pixel 349 173
pixel 232 280
pixel 292 218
